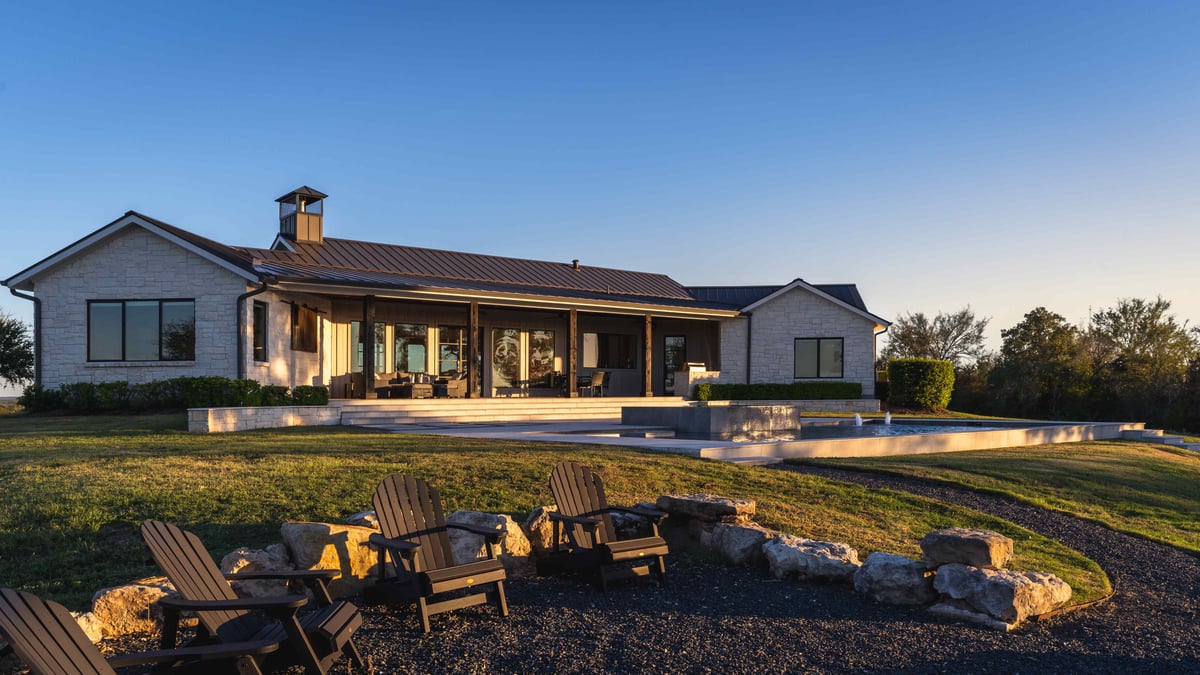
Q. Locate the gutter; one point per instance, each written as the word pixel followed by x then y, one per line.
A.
pixel 241 324
pixel 37 333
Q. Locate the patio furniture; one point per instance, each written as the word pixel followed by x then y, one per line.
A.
pixel 591 543
pixel 597 382
pixel 313 640
pixel 414 540
pixel 45 636
pixel 451 387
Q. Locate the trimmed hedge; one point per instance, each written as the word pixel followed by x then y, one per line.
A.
pixel 87 398
pixel 920 383
pixel 791 391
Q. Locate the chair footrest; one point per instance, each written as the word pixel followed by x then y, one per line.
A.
pixel 336 623
pixel 464 576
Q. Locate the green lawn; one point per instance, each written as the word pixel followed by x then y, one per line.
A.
pixel 1144 489
pixel 76 488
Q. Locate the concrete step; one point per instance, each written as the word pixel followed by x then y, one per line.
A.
pixel 755 461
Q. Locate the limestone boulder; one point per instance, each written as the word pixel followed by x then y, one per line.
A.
pixel 977 548
pixel 708 508
pixel 330 546
pixel 742 544
pixel 92 628
pixel 364 519
pixel 539 530
pixel 1000 595
pixel 132 608
pixel 274 558
pixel 895 580
pixel 800 558
pixel 514 548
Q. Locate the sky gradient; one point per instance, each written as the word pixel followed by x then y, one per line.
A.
pixel 938 154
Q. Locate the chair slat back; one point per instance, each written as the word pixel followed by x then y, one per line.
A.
pixel 45 636
pixel 192 571
pixel 406 506
pixel 579 492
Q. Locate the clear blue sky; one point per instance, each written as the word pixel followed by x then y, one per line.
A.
pixel 938 154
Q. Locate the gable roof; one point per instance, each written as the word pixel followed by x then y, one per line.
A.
pixel 843 295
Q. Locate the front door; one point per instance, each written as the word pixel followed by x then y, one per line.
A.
pixel 674 357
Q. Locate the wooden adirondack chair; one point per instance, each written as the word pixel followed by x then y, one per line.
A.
pixel 313 640
pixel 414 538
pixel 46 637
pixel 591 540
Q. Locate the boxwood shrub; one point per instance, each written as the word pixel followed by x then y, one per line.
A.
pixel 920 383
pixel 87 398
pixel 784 391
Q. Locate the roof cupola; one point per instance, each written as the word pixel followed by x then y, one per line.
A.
pixel 300 214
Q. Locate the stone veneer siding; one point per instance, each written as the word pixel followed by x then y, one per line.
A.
pixel 775 326
pixel 283 365
pixel 135 264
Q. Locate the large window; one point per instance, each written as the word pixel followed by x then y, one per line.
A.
pixel 260 331
pixel 304 329
pixel 410 345
pixel 818 357
pixel 541 358
pixel 356 338
pixel 609 350
pixel 141 330
pixel 506 357
pixel 454 349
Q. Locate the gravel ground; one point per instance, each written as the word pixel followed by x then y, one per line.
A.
pixel 717 619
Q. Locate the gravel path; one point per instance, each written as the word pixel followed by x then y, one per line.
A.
pixel 718 619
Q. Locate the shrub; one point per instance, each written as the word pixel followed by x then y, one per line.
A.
pixel 37 398
pixel 920 383
pixel 784 391
pixel 271 394
pixel 305 395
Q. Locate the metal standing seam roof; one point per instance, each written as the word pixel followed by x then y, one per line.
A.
pixel 744 296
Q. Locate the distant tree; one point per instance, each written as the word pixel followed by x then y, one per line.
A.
pixel 16 351
pixel 1142 356
pixel 1042 369
pixel 956 337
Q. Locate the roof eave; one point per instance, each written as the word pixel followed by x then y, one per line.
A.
pixel 880 323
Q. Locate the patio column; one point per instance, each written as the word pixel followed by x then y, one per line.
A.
pixel 648 380
pixel 474 365
pixel 368 339
pixel 572 353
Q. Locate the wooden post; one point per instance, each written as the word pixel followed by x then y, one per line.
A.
pixel 368 340
pixel 648 382
pixel 572 353
pixel 474 365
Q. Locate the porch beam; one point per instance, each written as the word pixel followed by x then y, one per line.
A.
pixel 368 339
pixel 648 381
pixel 474 365
pixel 572 353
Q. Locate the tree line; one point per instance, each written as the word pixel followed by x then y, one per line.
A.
pixel 1133 361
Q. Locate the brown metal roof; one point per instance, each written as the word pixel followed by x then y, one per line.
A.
pixel 432 264
pixel 303 191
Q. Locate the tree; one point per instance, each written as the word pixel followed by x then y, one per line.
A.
pixel 1142 355
pixel 16 351
pixel 955 337
pixel 1042 370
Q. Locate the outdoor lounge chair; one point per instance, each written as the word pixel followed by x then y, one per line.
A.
pixel 591 539
pixel 313 639
pixel 414 538
pixel 45 636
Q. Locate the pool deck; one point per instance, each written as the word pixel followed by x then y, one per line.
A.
pixel 1014 434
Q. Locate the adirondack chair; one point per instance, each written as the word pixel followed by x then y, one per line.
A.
pixel 413 535
pixel 47 639
pixel 313 640
pixel 591 544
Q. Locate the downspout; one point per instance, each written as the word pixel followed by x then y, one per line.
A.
pixel 241 324
pixel 37 333
pixel 749 342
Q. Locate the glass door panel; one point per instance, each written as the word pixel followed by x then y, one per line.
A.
pixel 674 358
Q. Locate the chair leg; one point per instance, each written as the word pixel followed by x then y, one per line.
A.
pixel 602 579
pixel 501 601
pixel 246 665
pixel 423 613
pixel 661 572
pixel 350 651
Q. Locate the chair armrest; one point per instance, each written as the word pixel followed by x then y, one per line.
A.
pixel 404 548
pixel 292 602
pixel 204 653
pixel 587 523
pixel 492 534
pixel 283 574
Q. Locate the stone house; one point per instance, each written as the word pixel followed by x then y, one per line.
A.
pixel 140 300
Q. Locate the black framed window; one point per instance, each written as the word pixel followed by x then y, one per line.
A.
pixel 141 330
pixel 818 357
pixel 304 329
pixel 260 331
pixel 609 350
pixel 410 342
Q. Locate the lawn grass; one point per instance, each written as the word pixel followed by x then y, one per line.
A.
pixel 76 488
pixel 1145 489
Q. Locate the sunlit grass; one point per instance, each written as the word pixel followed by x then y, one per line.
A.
pixel 76 488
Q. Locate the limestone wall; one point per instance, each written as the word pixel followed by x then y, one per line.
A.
pixel 212 420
